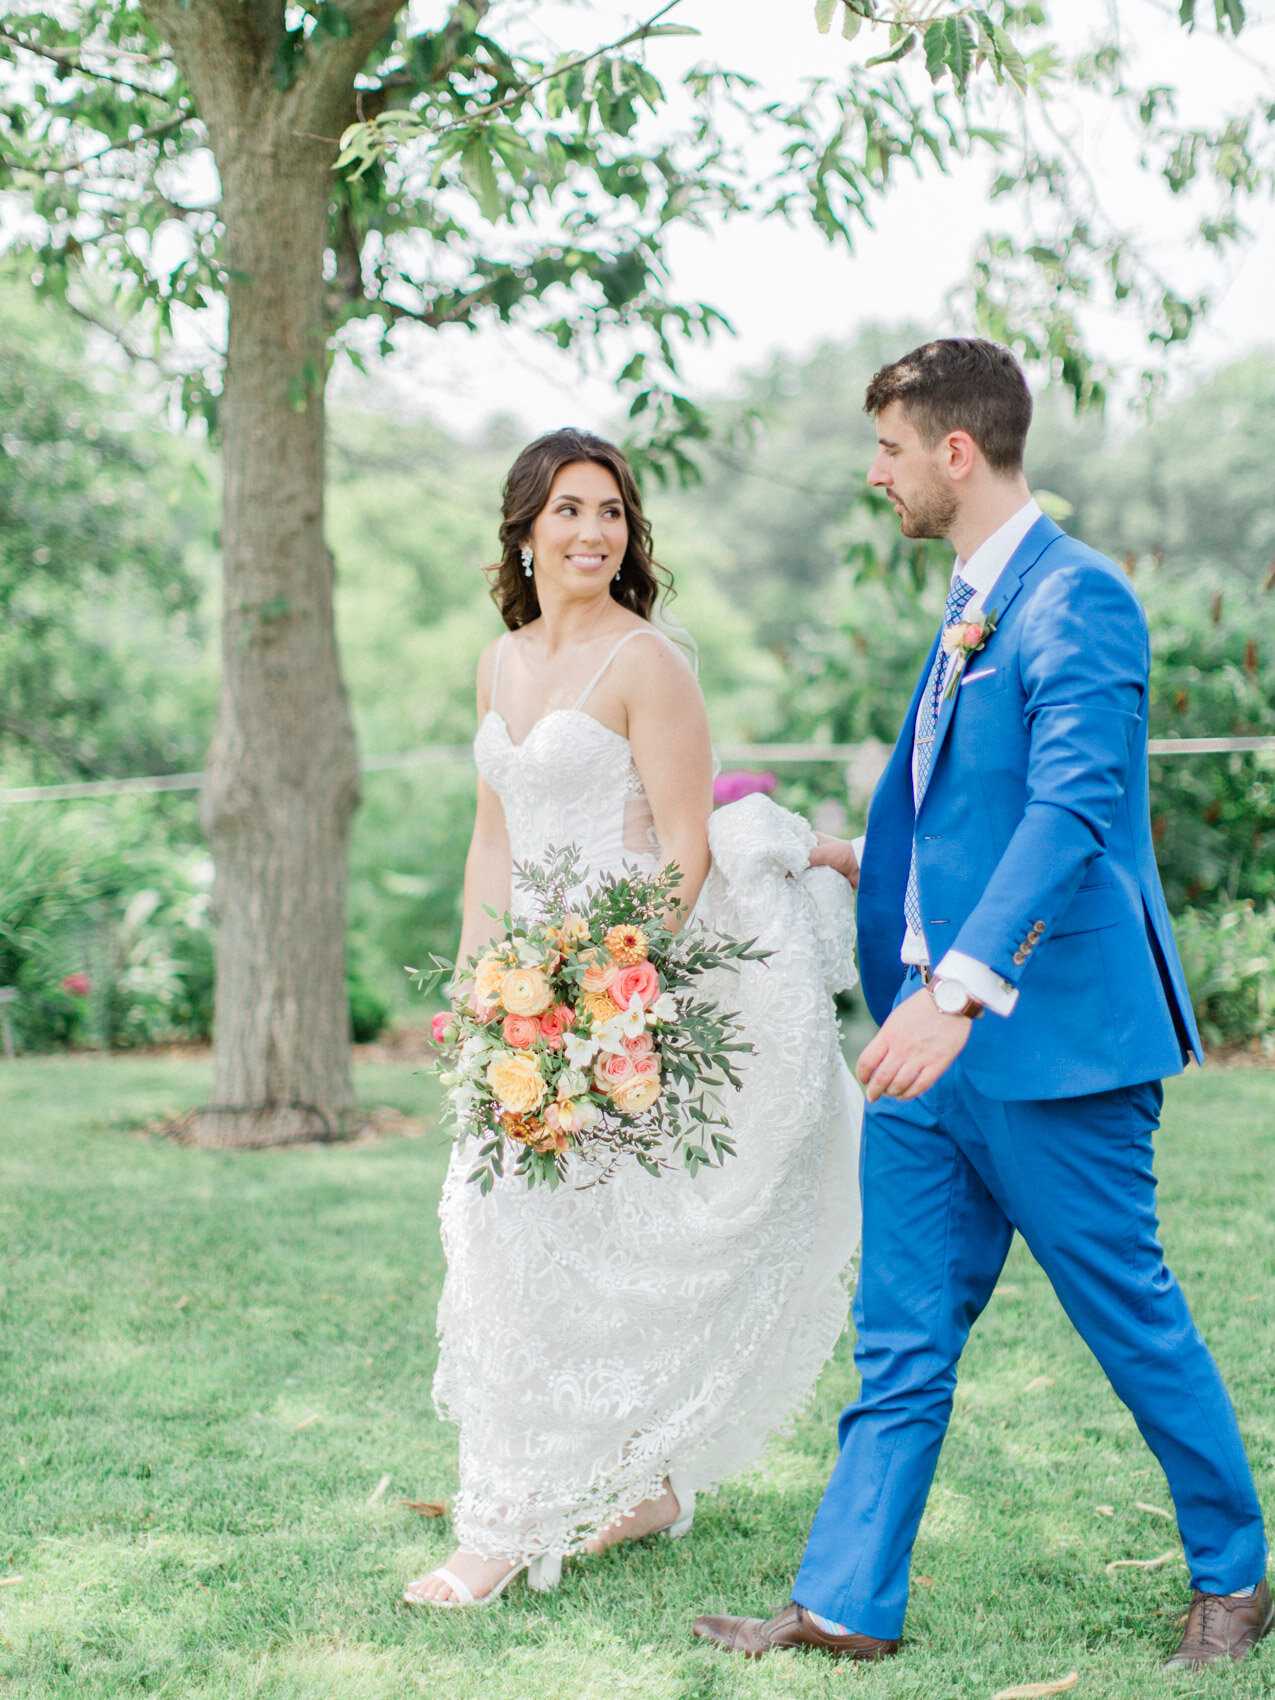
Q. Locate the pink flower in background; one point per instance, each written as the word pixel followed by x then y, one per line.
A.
pixel 77 984
pixel 442 1029
pixel 730 787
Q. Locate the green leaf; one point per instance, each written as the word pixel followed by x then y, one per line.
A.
pixel 1011 59
pixel 851 23
pixel 478 168
pixel 960 51
pixel 935 50
pixel 824 10
pixel 1232 10
pixel 1186 16
pixel 901 51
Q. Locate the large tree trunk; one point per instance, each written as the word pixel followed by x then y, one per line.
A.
pixel 282 780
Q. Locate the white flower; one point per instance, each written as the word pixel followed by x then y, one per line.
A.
pixel 664 1008
pixel 474 1050
pixel 572 1082
pixel 580 1048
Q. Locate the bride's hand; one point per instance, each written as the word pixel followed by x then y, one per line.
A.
pixel 835 853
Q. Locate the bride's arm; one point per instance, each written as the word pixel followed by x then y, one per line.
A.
pixel 668 732
pixel 487 866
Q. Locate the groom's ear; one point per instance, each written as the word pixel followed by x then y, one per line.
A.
pixel 961 454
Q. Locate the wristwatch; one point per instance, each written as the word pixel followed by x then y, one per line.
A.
pixel 951 997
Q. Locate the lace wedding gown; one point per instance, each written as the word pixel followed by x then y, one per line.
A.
pixel 597 1339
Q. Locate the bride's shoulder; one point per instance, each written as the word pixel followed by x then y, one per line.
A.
pixel 655 665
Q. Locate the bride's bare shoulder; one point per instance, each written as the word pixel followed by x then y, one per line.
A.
pixel 655 670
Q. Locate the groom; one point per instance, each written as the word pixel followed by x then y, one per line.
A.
pixel 1015 946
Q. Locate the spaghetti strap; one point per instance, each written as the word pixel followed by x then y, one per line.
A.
pixel 640 631
pixel 495 672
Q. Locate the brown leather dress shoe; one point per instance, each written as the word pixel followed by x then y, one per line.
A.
pixel 792 1627
pixel 1223 1626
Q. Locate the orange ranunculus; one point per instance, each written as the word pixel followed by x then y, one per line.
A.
pixel 640 981
pixel 599 1007
pixel 516 1082
pixel 627 945
pixel 599 971
pixel 525 991
pixel 520 1031
pixel 637 1094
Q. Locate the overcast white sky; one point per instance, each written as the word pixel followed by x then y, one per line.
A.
pixel 787 289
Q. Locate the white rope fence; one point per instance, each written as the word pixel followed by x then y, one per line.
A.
pixel 745 755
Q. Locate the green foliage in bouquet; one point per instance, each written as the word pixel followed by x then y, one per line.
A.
pixel 589 1031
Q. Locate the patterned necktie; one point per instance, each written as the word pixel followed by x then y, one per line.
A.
pixel 927 719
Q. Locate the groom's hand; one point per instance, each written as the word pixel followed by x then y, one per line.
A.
pixel 917 1044
pixel 835 853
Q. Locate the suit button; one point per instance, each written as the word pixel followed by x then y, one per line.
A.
pixel 1038 928
pixel 1020 956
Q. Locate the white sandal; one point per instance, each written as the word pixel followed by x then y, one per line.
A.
pixel 543 1575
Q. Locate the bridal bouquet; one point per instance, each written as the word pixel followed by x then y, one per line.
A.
pixel 586 1030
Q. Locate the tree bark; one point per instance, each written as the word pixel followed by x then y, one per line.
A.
pixel 282 779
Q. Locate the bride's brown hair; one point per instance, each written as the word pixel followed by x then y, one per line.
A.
pixel 523 499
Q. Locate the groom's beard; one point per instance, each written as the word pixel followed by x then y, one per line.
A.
pixel 931 512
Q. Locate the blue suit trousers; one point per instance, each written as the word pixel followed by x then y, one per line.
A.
pixel 947 1178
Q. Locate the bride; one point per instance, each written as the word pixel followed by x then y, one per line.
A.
pixel 607 1350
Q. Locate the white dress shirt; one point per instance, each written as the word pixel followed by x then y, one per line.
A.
pixel 982 570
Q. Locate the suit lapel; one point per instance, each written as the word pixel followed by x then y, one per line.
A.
pixel 1006 588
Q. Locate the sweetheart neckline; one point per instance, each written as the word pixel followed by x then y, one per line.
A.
pixel 494 713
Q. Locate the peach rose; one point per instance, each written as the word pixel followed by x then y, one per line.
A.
pixel 642 1046
pixel 611 1071
pixel 627 945
pixel 525 991
pixel 640 980
pixel 599 1007
pixel 554 1023
pixel 520 1031
pixel 637 1095
pixel 645 1065
pixel 488 972
pixel 516 1082
pixel 599 971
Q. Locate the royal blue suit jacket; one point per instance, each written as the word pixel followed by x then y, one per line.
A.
pixel 1033 839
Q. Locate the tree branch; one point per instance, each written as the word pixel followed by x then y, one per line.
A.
pixel 61 168
pixel 72 62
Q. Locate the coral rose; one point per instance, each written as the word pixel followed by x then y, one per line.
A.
pixel 520 1031
pixel 599 1007
pixel 627 945
pixel 638 981
pixel 637 1094
pixel 516 1082
pixel 526 991
pixel 554 1023
pixel 598 973
pixel 611 1071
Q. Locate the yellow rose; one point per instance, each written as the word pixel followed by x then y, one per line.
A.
pixel 637 1095
pixel 516 1082
pixel 627 945
pixel 526 991
pixel 599 1007
pixel 488 973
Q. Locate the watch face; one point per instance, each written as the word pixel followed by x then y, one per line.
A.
pixel 950 996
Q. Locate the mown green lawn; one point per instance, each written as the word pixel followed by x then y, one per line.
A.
pixel 211 1361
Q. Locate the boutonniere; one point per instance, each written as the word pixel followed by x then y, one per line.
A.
pixel 964 638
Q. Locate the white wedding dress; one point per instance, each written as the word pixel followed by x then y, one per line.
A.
pixel 598 1339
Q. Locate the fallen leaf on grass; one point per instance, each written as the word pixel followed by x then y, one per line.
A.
pixel 925 1581
pixel 1105 1510
pixel 1006 1287
pixel 1040 1382
pixel 378 1490
pixel 1140 1563
pixel 306 1423
pixel 1033 1690
pixel 426 1507
pixel 9 1581
pixel 1153 1509
pixel 182 1302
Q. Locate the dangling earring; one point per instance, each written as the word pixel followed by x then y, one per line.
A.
pixel 617 574
pixel 527 558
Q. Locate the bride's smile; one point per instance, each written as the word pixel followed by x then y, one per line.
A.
pixel 580 538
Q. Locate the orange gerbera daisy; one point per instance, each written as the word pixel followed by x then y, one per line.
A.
pixel 626 944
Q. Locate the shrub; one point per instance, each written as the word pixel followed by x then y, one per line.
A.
pixel 1229 958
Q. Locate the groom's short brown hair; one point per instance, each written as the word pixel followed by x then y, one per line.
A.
pixel 960 383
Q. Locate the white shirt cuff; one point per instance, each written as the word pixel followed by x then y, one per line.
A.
pixel 980 981
pixel 857 844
